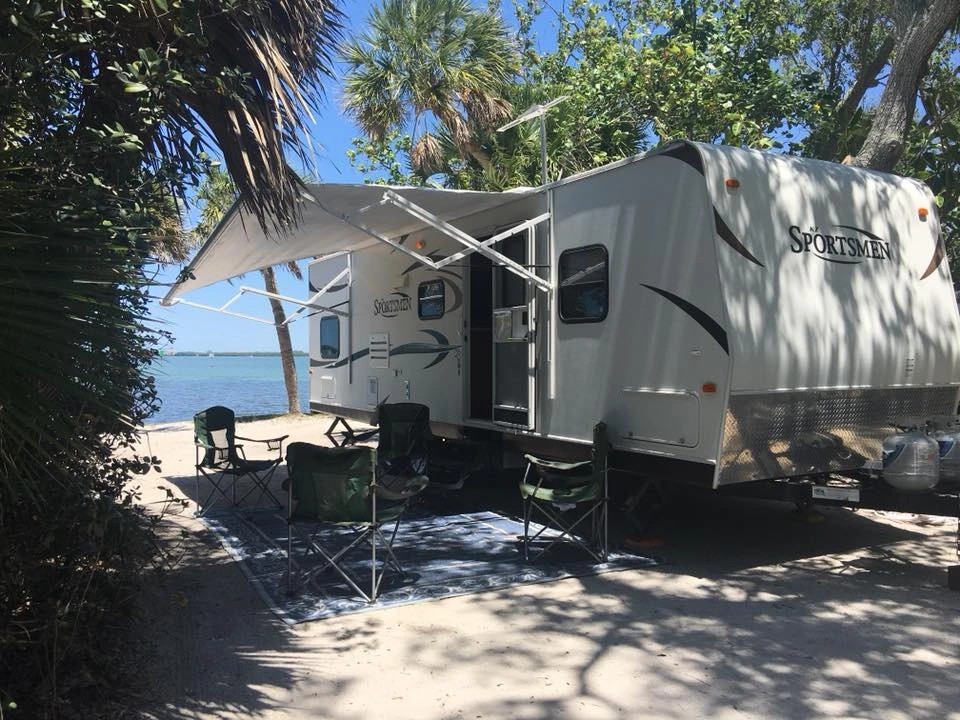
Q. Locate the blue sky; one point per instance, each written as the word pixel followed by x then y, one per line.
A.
pixel 202 330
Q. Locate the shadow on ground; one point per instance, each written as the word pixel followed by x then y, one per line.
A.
pixel 757 611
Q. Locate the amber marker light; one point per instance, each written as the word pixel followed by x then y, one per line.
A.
pixel 732 183
pixel 923 212
pixel 709 387
pixel 419 245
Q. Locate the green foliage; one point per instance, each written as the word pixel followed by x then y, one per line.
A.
pixel 105 109
pixel 74 393
pixel 172 78
pixel 384 162
pixel 798 77
pixel 640 74
pixel 215 196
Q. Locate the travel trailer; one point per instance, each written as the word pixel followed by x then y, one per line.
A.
pixel 751 315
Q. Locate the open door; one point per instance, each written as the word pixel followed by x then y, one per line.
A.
pixel 500 335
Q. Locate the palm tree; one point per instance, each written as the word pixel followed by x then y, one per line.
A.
pixel 427 62
pixel 217 193
pixel 104 104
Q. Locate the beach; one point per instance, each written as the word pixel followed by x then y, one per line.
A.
pixel 753 613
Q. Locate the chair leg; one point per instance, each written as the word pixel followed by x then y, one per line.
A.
pixel 262 484
pixel 289 558
pixel 526 502
pixel 567 530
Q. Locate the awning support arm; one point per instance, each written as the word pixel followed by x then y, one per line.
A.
pixel 308 304
pixel 526 225
pixel 471 243
pixel 312 299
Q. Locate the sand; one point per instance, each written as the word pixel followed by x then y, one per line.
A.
pixel 755 613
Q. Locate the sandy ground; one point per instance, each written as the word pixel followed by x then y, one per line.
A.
pixel 755 613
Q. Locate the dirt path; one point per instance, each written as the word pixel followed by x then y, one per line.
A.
pixel 754 614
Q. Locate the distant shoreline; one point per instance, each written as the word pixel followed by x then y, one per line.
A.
pixel 194 353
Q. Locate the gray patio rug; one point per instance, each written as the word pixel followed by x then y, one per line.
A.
pixel 444 553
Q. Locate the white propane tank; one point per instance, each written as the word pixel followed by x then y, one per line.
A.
pixel 948 439
pixel 911 460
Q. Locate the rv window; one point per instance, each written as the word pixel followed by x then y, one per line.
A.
pixel 330 338
pixel 430 300
pixel 583 284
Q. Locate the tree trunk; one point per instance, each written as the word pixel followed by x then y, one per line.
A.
pixel 920 27
pixel 283 339
pixel 866 79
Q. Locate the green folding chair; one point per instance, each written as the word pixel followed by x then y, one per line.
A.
pixel 333 489
pixel 403 448
pixel 566 496
pixel 223 462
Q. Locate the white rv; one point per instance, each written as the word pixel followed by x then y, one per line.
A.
pixel 759 315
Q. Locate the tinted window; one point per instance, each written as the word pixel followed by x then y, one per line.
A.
pixel 330 338
pixel 583 284
pixel 430 300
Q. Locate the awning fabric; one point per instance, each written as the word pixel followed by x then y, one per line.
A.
pixel 238 245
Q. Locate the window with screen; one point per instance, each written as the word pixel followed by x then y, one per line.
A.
pixel 583 284
pixel 430 300
pixel 330 338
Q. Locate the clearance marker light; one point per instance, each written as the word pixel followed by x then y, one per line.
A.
pixel 419 245
pixel 732 183
pixel 923 212
pixel 709 387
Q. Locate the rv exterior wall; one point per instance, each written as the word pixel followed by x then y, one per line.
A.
pixel 642 368
pixel 771 329
pixel 841 324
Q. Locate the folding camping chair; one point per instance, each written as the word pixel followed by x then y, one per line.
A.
pixel 576 490
pixel 403 450
pixel 338 487
pixel 224 463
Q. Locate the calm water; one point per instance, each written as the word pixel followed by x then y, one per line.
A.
pixel 248 385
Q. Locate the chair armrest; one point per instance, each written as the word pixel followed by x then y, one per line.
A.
pixel 557 465
pixel 411 486
pixel 271 443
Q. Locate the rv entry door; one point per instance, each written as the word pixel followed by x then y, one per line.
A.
pixel 514 303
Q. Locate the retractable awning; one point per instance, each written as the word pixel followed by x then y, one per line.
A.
pixel 335 218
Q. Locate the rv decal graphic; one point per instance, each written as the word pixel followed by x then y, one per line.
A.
pixel 713 328
pixel 441 348
pixel 436 257
pixel 938 255
pixel 831 246
pixel 335 288
pixel 726 234
pixel 392 305
pixel 685 152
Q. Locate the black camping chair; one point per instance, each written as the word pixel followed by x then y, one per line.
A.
pixel 331 487
pixel 224 463
pixel 403 450
pixel 566 495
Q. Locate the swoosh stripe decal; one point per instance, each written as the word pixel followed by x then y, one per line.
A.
pixel 938 255
pixel 713 328
pixel 687 153
pixel 726 234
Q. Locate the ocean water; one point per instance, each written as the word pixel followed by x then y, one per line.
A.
pixel 248 385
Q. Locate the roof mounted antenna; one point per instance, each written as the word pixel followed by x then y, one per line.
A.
pixel 537 111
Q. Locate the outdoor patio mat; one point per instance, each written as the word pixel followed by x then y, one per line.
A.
pixel 444 553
